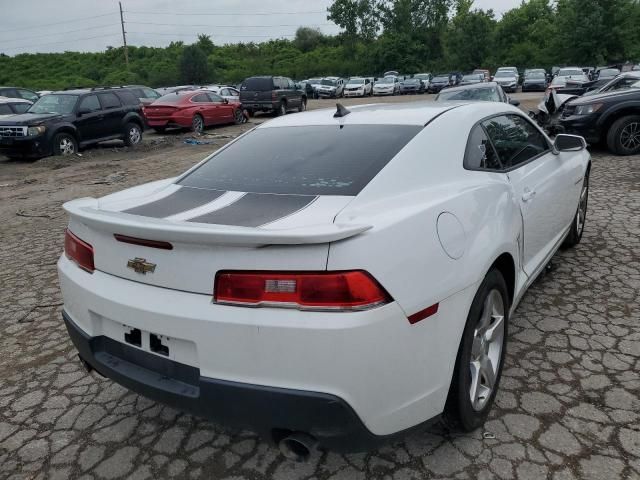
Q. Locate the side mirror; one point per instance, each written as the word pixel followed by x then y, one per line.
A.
pixel 514 102
pixel 569 143
pixel 225 100
pixel 83 111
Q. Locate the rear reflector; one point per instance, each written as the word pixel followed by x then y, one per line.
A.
pixel 143 242
pixel 352 290
pixel 78 251
pixel 422 314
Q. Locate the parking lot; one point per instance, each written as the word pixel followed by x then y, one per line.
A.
pixel 568 406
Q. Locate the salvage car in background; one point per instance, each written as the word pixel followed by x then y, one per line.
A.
pixel 62 122
pixel 225 91
pixel 440 81
pixel 534 80
pixel 358 87
pixel 330 87
pixel 472 79
pixel 386 86
pixel 411 86
pixel 146 95
pixel 17 92
pixel 316 331
pixel 482 92
pixel 193 109
pixel 11 106
pixel 507 80
pixel 271 94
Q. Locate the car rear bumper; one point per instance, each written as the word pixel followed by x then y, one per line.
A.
pixel 259 106
pixel 269 411
pixel 371 374
pixel 27 147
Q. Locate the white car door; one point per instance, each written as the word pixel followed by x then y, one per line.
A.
pixel 541 183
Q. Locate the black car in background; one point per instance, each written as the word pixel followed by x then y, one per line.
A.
pixel 62 122
pixel 271 94
pixel 534 81
pixel 612 118
pixel 16 92
pixel 12 106
pixel 440 81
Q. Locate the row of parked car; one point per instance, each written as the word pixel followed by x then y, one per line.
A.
pixel 62 122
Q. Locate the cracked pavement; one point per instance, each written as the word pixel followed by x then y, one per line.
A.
pixel 568 405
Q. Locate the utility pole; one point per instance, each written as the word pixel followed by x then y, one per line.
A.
pixel 124 37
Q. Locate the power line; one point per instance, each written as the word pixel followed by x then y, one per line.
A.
pixel 226 26
pixel 225 13
pixel 59 33
pixel 57 43
pixel 58 23
pixel 196 34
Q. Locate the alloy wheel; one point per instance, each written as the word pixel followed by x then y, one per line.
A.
pixel 582 207
pixel 630 136
pixel 486 350
pixel 134 135
pixel 66 146
pixel 197 124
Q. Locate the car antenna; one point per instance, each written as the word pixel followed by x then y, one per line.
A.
pixel 341 111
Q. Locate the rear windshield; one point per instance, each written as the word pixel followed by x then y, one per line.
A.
pixel 174 97
pixel 307 160
pixel 260 84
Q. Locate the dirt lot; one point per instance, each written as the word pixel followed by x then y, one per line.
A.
pixel 569 404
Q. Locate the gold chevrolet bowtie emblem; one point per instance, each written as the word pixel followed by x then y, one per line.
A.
pixel 140 265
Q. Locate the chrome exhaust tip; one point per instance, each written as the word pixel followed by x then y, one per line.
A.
pixel 297 446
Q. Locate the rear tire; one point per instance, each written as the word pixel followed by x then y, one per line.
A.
pixel 623 137
pixel 132 134
pixel 238 116
pixel 282 109
pixel 197 124
pixel 579 220
pixel 480 356
pixel 65 144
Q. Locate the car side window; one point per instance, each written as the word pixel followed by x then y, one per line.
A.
pixel 5 109
pixel 214 97
pixel 201 98
pixel 233 91
pixel 21 107
pixel 515 140
pixel 151 93
pixel 480 154
pixel 109 100
pixel 90 103
pixel 225 92
pixel 28 95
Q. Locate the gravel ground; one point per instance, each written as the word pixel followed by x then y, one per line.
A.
pixel 569 404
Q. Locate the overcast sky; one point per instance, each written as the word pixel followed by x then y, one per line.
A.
pixel 92 25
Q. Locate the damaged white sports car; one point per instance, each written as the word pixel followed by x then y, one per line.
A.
pixel 327 278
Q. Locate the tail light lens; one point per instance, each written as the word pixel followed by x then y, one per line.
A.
pixel 78 251
pixel 351 290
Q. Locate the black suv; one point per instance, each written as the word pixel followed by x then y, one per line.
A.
pixel 612 117
pixel 61 122
pixel 16 92
pixel 271 94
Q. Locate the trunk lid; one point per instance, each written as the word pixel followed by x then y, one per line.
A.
pixel 254 232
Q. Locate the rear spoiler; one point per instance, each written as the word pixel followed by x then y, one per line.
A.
pixel 86 211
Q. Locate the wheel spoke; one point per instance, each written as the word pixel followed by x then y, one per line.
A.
pixel 475 383
pixel 495 329
pixel 487 372
pixel 487 311
pixel 476 347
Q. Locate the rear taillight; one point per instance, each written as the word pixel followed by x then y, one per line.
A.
pixel 78 251
pixel 352 290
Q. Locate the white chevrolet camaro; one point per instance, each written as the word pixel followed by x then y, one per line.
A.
pixel 327 279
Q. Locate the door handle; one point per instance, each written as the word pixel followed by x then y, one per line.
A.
pixel 528 195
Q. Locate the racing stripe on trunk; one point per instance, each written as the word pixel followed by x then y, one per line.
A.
pixel 186 198
pixel 255 209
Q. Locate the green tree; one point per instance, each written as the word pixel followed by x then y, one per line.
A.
pixel 193 65
pixel 468 39
pixel 308 38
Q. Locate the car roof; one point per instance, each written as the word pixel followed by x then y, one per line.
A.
pixel 14 100
pixel 412 113
pixel 473 86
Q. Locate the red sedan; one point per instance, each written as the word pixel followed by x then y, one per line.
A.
pixel 194 109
